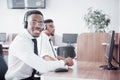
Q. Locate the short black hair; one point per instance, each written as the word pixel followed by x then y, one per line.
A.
pixel 48 20
pixel 27 14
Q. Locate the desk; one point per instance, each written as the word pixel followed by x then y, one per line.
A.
pixel 5 46
pixel 84 71
pixel 5 49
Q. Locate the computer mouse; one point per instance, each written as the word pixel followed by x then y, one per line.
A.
pixel 61 70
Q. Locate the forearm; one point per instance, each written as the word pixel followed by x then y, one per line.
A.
pixel 60 58
pixel 48 58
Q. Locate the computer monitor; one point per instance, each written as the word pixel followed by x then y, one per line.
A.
pixel 69 38
pixel 109 52
pixel 3 37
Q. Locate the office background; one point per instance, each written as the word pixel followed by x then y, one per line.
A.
pixel 68 16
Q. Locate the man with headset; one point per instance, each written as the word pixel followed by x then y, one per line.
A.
pixel 47 50
pixel 23 58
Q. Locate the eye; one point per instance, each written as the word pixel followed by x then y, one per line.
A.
pixel 34 23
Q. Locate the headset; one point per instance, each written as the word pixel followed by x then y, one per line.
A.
pixel 45 27
pixel 27 14
pixel 25 20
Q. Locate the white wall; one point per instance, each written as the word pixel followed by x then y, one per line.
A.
pixel 67 15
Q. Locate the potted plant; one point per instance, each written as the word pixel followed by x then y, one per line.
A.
pixel 96 20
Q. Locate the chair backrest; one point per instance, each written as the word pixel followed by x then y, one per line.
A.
pixel 3 65
pixel 1 52
pixel 66 51
pixel 90 47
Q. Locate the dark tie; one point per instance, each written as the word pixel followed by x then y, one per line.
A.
pixel 36 52
pixel 52 47
pixel 35 46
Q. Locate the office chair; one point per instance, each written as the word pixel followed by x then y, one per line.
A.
pixel 3 65
pixel 66 51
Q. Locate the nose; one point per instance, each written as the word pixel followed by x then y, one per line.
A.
pixel 39 26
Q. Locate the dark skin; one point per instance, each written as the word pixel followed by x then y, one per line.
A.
pixel 35 30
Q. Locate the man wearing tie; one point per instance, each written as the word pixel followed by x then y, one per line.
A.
pixel 47 50
pixel 23 57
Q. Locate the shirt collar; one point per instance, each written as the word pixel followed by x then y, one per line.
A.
pixel 43 32
pixel 27 34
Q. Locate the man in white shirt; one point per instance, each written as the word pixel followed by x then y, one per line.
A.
pixel 46 48
pixel 22 59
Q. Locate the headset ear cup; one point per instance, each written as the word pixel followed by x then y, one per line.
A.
pixel 45 27
pixel 25 24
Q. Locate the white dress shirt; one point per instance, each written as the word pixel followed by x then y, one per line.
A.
pixel 45 47
pixel 22 59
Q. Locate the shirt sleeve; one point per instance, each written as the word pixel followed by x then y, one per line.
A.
pixel 23 50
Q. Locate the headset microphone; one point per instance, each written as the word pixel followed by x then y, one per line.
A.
pixel 42 29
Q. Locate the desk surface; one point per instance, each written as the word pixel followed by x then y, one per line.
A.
pixel 84 71
pixel 5 46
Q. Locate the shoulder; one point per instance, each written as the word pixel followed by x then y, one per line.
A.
pixel 22 39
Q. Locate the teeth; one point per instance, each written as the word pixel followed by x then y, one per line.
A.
pixel 37 31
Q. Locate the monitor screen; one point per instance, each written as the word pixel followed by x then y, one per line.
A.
pixel 69 38
pixel 110 46
pixel 2 37
pixel 109 51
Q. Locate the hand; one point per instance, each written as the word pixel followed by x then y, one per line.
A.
pixel 68 61
pixel 60 58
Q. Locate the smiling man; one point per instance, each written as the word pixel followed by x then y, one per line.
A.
pixel 23 58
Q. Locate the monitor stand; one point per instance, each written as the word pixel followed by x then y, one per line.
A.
pixel 69 44
pixel 109 67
